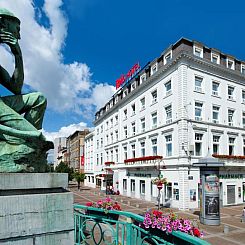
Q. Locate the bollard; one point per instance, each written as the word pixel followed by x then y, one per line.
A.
pixel 226 229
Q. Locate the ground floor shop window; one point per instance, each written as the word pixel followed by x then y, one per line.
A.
pixel 193 195
pixel 132 185
pixel 176 194
pixel 124 184
pixel 142 187
pixel 168 191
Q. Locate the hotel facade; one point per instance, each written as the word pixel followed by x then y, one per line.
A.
pixel 186 103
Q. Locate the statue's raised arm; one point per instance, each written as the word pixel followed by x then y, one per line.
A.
pixel 22 145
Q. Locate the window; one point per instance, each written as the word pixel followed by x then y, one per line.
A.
pixel 133 150
pixel 215 58
pixel 230 117
pixel 125 151
pixel 116 119
pixel 216 139
pixel 111 122
pixel 101 142
pixel 111 138
pixel 154 119
pixel 125 129
pixel 168 88
pixel 243 147
pixel 243 119
pixel 198 111
pixel 107 156
pixel 116 135
pixel 116 153
pixel 133 109
pixel 154 146
pixel 133 128
pixel 125 114
pixel 116 99
pixel 97 159
pixel 167 58
pixel 98 130
pixel 142 78
pixel 125 93
pixel 198 84
pixel 124 184
pixel 111 159
pixel 243 69
pixel 101 128
pixel 215 88
pixel 97 145
pixel 154 69
pixel 230 64
pixel 243 96
pixel 142 122
pixel 142 103
pixel 142 148
pixel 154 96
pixel 198 144
pixel 107 125
pixel 168 139
pixel 133 86
pixel 107 139
pixel 168 110
pixel 231 93
pixel 132 185
pixel 142 187
pixel 215 114
pixel 198 51
pixel 231 145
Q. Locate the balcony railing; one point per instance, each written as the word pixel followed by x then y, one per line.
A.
pixel 94 226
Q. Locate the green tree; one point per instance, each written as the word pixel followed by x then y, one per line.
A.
pixel 79 177
pixel 64 168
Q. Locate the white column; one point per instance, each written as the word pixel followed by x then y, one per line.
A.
pixel 148 189
pixel 137 188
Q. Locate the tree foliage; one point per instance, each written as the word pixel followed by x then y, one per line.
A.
pixel 79 177
pixel 64 168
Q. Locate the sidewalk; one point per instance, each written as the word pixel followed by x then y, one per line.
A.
pixel 230 216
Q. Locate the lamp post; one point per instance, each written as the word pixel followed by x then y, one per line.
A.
pixel 160 184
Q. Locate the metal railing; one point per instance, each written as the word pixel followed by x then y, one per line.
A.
pixel 95 226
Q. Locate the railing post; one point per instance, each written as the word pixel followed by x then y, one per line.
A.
pixel 129 231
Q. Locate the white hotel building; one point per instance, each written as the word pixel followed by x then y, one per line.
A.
pixel 188 100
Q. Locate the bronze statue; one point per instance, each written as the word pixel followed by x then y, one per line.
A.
pixel 22 145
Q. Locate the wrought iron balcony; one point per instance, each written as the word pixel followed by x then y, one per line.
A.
pixel 95 226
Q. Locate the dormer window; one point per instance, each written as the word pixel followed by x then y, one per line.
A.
pixel 154 69
pixel 142 78
pixel 111 104
pixel 215 58
pixel 230 64
pixel 243 69
pixel 167 57
pixel 107 107
pixel 198 51
pixel 125 93
pixel 116 99
pixel 133 86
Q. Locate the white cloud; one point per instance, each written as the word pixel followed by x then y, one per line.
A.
pixel 65 131
pixel 64 85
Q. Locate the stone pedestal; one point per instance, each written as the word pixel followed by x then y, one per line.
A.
pixel 35 208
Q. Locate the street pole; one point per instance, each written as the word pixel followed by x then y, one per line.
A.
pixel 159 185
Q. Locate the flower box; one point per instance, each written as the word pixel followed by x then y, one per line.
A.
pixel 109 163
pixel 102 215
pixel 141 159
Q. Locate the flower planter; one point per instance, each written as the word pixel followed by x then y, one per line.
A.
pixel 99 215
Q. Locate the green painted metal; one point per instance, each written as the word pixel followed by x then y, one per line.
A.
pixel 95 226
pixel 22 146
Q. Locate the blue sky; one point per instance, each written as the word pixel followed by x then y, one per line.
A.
pixel 93 42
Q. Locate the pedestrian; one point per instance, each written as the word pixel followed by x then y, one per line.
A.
pixel 243 215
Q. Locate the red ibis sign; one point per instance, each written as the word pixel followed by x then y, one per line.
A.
pixel 125 77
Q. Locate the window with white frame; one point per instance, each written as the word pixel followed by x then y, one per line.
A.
pixel 243 119
pixel 198 51
pixel 116 119
pixel 215 58
pixel 198 111
pixel 97 159
pixel 124 185
pixel 133 128
pixel 231 146
pixel 154 69
pixel 101 158
pixel 243 146
pixel 243 96
pixel 198 84
pixel 230 64
pixel 116 99
pixel 111 104
pixel 243 69
pixel 215 88
pixel 168 111
pixel 101 142
pixel 116 135
pixel 116 155
pixel 216 140
pixel 107 139
pixel 216 114
pixel 125 129
pixel 111 122
pixel 133 86
pixel 125 113
pixel 111 138
pixel 107 156
pixel 142 122
pixel 98 130
pixel 107 107
pixel 142 148
pixel 198 144
pixel 154 146
pixel 125 93
pixel 168 139
pixel 107 125
pixel 231 117
pixel 98 144
pixel 154 119
pixel 132 185
pixel 154 96
pixel 142 187
pixel 111 159
pixel 168 88
pixel 133 109
pixel 133 150
pixel 167 57
pixel 142 103
pixel 125 152
pixel 142 78
pixel 231 92
pixel 101 128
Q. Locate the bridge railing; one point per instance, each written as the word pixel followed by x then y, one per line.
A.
pixel 95 226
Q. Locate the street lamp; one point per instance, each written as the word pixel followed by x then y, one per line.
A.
pixel 160 184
